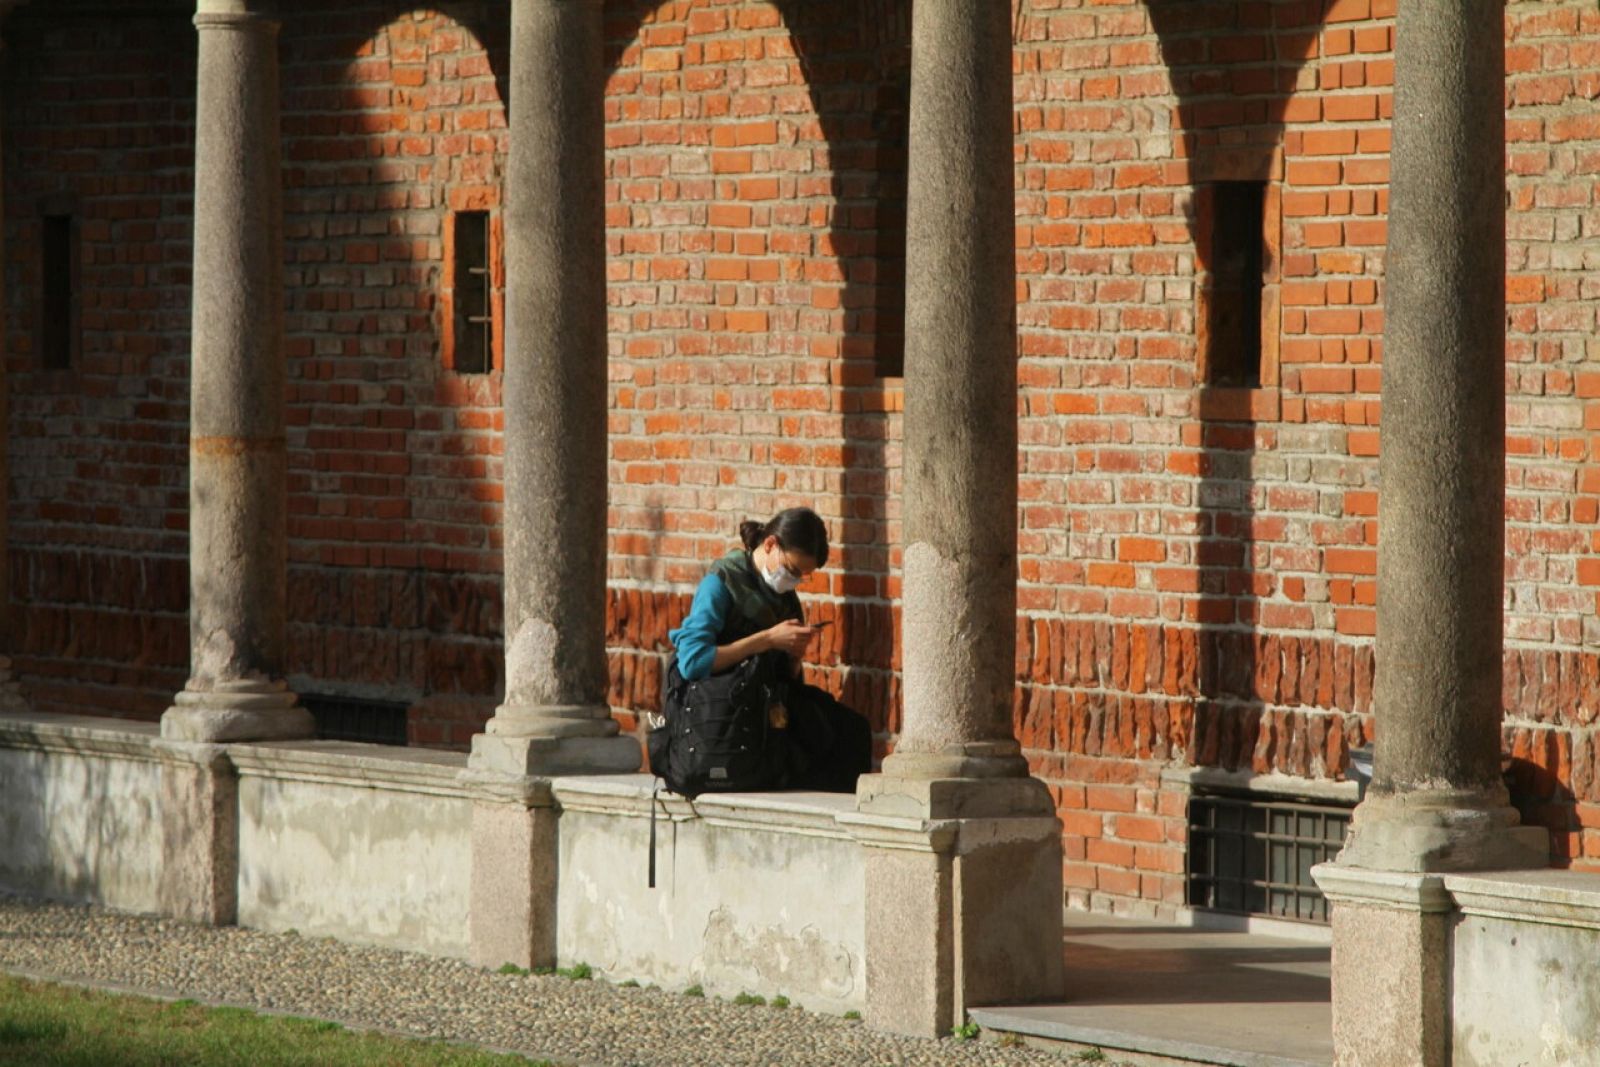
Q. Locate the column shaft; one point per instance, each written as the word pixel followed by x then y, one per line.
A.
pixel 1441 549
pixel 555 716
pixel 237 486
pixel 960 466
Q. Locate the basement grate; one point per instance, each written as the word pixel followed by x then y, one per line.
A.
pixel 1253 856
pixel 344 718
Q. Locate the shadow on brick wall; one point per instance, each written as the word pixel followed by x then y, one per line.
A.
pixel 1269 699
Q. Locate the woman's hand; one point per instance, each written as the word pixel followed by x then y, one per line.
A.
pixel 790 636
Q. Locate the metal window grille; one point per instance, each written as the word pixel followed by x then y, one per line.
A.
pixel 342 718
pixel 474 309
pixel 1254 857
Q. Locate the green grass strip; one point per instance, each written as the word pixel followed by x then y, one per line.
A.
pixel 48 1025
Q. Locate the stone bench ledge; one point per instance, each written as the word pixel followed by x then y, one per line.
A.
pixel 1557 897
pixel 354 764
pixel 82 735
pixel 630 795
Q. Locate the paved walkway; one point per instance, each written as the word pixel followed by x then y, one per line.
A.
pixel 1197 996
pixel 570 1022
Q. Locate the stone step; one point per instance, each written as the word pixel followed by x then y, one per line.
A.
pixel 1046 1028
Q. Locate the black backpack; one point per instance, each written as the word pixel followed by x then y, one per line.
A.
pixel 715 736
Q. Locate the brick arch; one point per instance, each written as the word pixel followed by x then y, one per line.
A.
pixel 751 152
pixel 393 118
pixel 1151 640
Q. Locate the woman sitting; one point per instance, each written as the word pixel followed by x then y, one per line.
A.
pixel 746 606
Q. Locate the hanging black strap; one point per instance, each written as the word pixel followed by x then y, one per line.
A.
pixel 654 790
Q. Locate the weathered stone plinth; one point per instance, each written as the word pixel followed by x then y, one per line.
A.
pixel 199 832
pixel 514 756
pixel 549 740
pixel 514 838
pixel 1391 916
pixel 515 850
pixel 963 897
pixel 1391 967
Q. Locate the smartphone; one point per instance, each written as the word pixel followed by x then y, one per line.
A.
pixel 820 623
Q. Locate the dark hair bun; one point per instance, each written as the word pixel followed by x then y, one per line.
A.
pixel 795 528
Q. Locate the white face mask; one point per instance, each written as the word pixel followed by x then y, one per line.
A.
pixel 782 580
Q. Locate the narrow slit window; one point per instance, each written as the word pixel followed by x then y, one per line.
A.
pixel 58 313
pixel 1237 262
pixel 892 128
pixel 474 307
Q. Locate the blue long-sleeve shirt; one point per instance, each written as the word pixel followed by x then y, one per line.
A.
pixel 696 639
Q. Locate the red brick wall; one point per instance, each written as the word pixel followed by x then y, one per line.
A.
pixel 1197 566
pixel 98 122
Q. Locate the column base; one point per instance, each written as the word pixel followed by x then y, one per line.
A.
pixel 974 760
pixel 199 833
pixel 1391 916
pixel 1442 831
pixel 237 711
pixel 1391 967
pixel 964 898
pixel 569 739
pixel 904 796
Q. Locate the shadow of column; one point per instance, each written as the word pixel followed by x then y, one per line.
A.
pixel 1235 69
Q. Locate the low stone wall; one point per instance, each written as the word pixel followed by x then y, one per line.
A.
pixel 761 894
pixel 1480 969
pixel 365 843
pixel 80 815
pixel 374 845
pixel 756 893
pixel 1525 968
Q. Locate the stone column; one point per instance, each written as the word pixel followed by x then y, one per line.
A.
pixel 964 889
pixel 237 491
pixel 1436 802
pixel 555 718
pixel 236 461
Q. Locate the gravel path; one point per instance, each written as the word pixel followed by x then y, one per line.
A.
pixel 572 1022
